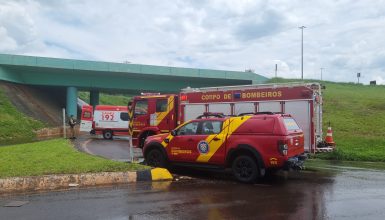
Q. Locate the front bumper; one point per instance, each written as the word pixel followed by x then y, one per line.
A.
pixel 295 163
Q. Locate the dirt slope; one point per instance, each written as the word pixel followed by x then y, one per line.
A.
pixel 41 103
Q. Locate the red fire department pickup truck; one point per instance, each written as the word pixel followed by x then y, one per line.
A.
pixel 249 144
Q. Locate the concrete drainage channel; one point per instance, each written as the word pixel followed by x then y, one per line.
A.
pixel 63 181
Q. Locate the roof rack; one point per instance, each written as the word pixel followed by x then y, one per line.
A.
pixel 211 114
pixel 258 113
pixel 253 86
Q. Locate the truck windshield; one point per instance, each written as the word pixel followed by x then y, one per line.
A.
pixel 291 124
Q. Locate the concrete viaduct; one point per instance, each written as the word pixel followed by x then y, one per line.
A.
pixel 98 77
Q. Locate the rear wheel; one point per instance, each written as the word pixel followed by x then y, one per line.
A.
pixel 107 134
pixel 156 158
pixel 245 169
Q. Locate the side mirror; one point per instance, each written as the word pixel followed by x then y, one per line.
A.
pixel 173 132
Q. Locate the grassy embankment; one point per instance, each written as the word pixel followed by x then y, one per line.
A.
pixel 357 116
pixel 53 157
pixel 15 127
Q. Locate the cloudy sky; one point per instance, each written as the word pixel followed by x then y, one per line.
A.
pixel 342 36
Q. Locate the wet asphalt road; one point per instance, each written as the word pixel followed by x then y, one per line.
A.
pixel 331 193
pixel 116 149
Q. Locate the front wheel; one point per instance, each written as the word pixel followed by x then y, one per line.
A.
pixel 245 169
pixel 156 158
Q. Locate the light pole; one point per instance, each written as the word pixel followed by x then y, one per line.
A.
pixel 321 72
pixel 276 70
pixel 302 27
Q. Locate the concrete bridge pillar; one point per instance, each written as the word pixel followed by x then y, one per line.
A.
pixel 72 99
pixel 94 98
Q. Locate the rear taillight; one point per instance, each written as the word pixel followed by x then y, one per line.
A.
pixel 283 147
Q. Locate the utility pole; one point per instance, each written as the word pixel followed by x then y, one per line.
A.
pixel 276 70
pixel 321 72
pixel 302 27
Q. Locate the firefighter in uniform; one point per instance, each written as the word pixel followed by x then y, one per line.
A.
pixel 72 123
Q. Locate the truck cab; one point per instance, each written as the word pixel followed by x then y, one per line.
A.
pixel 153 114
pixel 249 144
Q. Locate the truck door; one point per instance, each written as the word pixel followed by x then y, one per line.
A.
pixel 198 142
pixel 141 115
pixel 183 146
pixel 164 115
pixel 86 118
pixel 213 137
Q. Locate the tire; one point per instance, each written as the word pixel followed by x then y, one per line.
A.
pixel 108 134
pixel 156 158
pixel 245 169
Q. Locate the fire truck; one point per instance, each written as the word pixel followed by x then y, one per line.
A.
pixel 106 120
pixel 155 113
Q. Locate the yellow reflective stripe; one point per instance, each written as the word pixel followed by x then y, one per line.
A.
pixel 229 126
pixel 169 137
pixel 161 115
pixel 131 121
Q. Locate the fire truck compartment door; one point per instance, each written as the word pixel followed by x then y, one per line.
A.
pixel 269 107
pixel 300 110
pixel 243 107
pixel 224 108
pixel 193 111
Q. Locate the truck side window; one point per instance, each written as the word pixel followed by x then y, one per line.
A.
pixel 188 129
pixel 161 105
pixel 291 124
pixel 211 127
pixel 124 116
pixel 141 107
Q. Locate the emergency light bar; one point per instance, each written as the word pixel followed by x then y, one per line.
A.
pixel 183 97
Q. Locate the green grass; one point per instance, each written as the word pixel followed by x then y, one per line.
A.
pixel 318 164
pixel 53 157
pixel 15 127
pixel 357 115
pixel 107 99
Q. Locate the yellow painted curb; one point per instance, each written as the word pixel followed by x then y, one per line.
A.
pixel 160 174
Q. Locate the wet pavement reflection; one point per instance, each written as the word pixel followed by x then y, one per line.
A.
pixel 332 192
